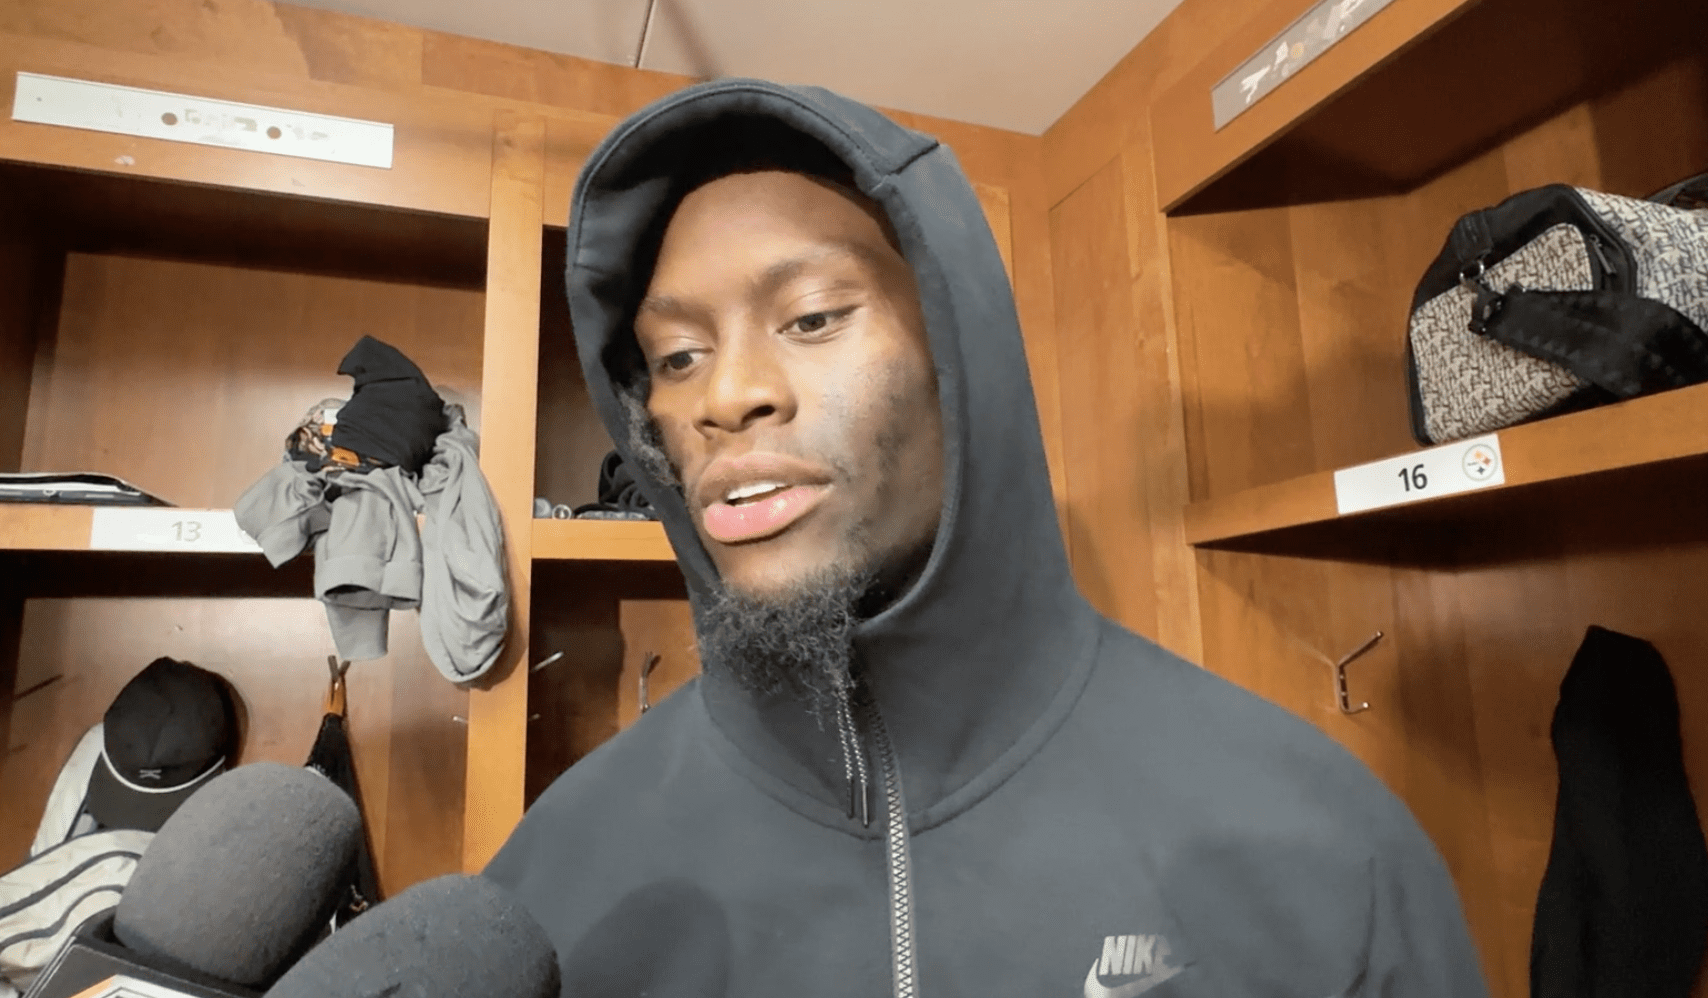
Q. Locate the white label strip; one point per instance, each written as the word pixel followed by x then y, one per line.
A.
pixel 1305 39
pixel 157 114
pixel 1426 474
pixel 154 528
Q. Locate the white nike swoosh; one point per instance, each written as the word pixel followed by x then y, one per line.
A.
pixel 1095 988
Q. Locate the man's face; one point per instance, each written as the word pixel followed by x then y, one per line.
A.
pixel 792 384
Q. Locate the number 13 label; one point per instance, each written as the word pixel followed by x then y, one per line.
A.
pixel 1440 471
pixel 122 528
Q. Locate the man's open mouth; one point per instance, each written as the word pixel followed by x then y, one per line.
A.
pixel 759 510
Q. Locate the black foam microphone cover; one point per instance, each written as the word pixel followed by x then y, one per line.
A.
pixel 455 935
pixel 244 876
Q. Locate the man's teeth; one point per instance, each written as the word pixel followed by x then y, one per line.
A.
pixel 756 489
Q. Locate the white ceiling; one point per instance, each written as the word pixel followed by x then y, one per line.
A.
pixel 1016 64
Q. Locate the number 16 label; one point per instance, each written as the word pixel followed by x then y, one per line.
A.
pixel 1428 474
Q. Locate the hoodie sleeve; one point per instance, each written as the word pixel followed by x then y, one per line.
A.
pixel 1420 946
pixel 283 511
pixel 465 602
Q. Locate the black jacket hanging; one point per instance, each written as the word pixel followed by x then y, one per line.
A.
pixel 1623 908
pixel 332 758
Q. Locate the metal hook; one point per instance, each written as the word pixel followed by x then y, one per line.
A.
pixel 548 660
pixel 1342 699
pixel 336 692
pixel 44 684
pixel 651 662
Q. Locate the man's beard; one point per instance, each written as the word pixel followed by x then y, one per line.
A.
pixel 799 646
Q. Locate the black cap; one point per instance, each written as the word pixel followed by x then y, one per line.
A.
pixel 169 731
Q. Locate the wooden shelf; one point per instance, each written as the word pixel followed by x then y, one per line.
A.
pixel 1668 427
pixel 43 527
pixel 1198 153
pixel 47 549
pixel 126 215
pixel 50 527
pixel 1390 105
pixel 601 540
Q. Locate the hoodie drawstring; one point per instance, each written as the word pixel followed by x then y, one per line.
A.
pixel 853 761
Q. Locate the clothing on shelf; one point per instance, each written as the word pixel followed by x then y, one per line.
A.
pixel 394 417
pixel 370 558
pixel 620 496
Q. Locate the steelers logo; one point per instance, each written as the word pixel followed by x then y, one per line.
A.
pixel 1481 462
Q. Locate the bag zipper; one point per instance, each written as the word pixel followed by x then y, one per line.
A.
pixel 1617 274
pixel 1600 252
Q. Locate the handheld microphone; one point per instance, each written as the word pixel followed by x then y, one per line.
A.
pixel 454 935
pixel 244 876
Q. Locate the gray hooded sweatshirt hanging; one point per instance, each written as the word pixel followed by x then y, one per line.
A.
pixel 1084 812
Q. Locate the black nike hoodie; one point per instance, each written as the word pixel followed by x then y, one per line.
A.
pixel 1084 812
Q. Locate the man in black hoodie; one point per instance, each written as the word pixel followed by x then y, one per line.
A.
pixel 917 761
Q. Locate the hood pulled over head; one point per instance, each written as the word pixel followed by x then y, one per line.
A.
pixel 964 665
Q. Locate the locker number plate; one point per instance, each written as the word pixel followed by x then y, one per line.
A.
pixel 1463 466
pixel 168 529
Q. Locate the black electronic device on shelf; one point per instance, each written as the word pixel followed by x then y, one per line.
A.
pixel 81 488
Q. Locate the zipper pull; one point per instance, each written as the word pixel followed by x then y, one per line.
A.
pixel 854 771
pixel 1600 252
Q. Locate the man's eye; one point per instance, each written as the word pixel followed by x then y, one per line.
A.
pixel 814 322
pixel 681 360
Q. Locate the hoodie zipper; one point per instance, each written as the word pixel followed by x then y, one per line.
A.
pixel 904 960
pixel 898 862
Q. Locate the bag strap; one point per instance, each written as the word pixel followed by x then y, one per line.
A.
pixel 1625 344
pixel 1688 194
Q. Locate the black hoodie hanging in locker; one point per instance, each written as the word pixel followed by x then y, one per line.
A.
pixel 1623 907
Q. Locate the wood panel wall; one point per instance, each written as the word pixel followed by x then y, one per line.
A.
pixel 24 276
pixel 1283 330
pixel 185 377
pixel 21 266
pixel 201 370
pixel 77 653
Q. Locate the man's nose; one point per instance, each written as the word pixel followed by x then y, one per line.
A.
pixel 749 384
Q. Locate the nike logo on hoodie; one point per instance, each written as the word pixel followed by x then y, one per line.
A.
pixel 1126 956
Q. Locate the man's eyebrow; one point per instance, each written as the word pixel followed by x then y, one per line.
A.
pixel 782 272
pixel 667 307
pixel 773 279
